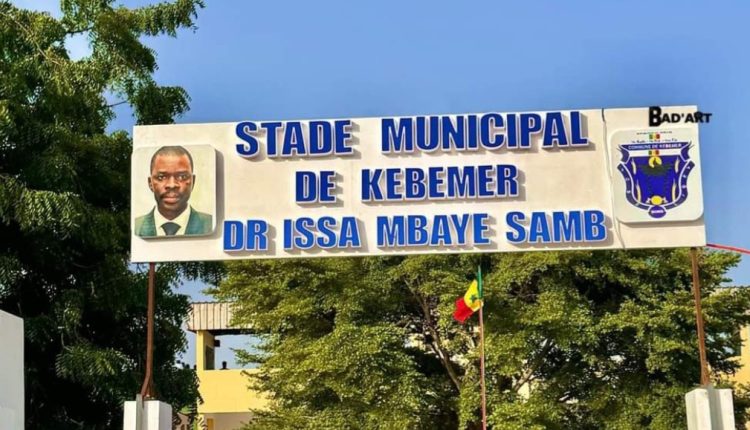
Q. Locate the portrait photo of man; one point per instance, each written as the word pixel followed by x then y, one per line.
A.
pixel 172 180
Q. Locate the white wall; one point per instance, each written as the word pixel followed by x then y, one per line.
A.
pixel 156 415
pixel 11 372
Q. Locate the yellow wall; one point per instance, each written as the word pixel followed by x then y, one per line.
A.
pixel 743 374
pixel 227 400
pixel 203 340
pixel 223 391
pixel 227 391
pixel 226 421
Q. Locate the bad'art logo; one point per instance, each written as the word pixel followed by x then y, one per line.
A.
pixel 656 175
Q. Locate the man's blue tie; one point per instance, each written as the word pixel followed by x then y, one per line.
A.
pixel 170 228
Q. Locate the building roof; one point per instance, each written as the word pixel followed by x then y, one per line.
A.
pixel 215 317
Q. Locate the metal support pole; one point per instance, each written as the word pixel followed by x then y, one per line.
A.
pixel 147 389
pixel 699 318
pixel 481 368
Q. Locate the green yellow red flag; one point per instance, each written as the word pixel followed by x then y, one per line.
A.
pixel 471 301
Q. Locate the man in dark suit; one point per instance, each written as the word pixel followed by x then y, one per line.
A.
pixel 172 180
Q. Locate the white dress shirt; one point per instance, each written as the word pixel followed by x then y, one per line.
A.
pixel 181 220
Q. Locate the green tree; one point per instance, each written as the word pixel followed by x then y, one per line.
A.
pixel 64 209
pixel 574 340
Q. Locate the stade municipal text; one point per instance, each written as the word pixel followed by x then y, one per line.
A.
pixel 397 185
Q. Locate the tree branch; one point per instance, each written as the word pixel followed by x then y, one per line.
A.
pixel 436 339
pixel 79 31
pixel 567 396
pixel 117 104
pixel 31 39
pixel 546 346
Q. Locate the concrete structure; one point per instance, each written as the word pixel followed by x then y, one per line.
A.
pixel 11 372
pixel 154 415
pixel 227 400
pixel 710 409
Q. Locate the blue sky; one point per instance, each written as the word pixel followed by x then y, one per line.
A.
pixel 299 59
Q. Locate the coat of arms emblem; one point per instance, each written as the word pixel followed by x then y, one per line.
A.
pixel 656 175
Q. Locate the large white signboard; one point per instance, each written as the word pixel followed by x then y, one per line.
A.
pixel 487 182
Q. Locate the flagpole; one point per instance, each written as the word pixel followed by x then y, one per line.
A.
pixel 481 368
pixel 481 347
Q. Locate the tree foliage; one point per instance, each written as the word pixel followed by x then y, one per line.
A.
pixel 574 340
pixel 64 208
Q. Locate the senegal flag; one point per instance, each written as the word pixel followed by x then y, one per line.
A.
pixel 470 302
